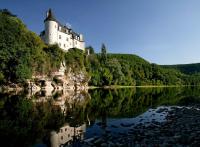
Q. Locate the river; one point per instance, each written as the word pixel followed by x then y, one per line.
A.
pixel 98 117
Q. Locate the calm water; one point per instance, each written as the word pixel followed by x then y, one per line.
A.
pixel 68 117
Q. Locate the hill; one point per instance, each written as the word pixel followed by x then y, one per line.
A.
pixel 185 68
pixel 127 69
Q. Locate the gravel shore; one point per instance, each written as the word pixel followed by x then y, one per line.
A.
pixel 181 128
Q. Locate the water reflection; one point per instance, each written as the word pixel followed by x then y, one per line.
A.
pixel 68 101
pixel 67 135
pixel 65 99
pixel 68 116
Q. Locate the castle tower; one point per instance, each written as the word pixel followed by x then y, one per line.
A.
pixel 51 28
pixel 81 37
pixel 56 33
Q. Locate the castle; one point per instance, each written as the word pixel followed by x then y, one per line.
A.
pixel 56 33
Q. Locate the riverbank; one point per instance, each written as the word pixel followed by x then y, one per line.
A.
pixel 143 86
pixel 180 128
pixel 19 87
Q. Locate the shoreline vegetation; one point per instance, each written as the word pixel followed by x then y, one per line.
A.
pixel 144 86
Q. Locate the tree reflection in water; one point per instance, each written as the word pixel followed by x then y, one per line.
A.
pixel 40 119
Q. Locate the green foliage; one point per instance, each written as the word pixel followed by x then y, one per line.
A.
pixel 23 53
pixel 23 72
pixel 56 56
pixel 74 58
pixel 191 72
pixel 185 68
pixel 126 69
pixel 7 12
pixel 21 50
pixel 91 49
pixel 103 53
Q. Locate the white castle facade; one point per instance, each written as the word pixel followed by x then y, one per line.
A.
pixel 65 37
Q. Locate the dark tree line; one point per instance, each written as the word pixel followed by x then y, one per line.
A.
pixel 126 69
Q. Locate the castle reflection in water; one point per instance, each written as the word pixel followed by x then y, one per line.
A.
pixel 66 100
pixel 67 135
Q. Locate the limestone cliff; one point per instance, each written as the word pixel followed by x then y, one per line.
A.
pixel 62 79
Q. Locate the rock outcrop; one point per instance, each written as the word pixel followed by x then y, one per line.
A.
pixel 63 79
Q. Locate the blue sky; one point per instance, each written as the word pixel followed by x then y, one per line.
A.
pixel 161 31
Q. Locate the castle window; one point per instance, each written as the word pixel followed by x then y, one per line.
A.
pixel 67 39
pixel 55 26
pixel 59 36
pixel 64 45
pixel 61 137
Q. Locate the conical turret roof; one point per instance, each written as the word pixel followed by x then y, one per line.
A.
pixel 50 16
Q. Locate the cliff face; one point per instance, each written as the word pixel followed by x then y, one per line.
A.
pixel 63 79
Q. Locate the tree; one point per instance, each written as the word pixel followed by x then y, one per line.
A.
pixel 7 12
pixel 103 54
pixel 91 49
pixel 56 56
pixel 74 59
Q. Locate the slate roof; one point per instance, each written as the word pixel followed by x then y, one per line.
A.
pixel 50 16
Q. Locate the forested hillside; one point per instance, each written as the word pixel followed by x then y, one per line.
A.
pixel 185 68
pixel 21 51
pixel 127 69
